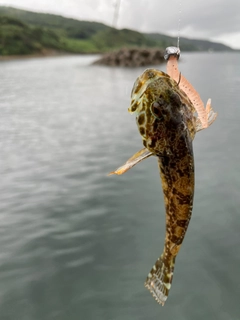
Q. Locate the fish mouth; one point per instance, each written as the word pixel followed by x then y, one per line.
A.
pixel 136 102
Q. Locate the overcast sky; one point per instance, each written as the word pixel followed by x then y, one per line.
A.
pixel 217 20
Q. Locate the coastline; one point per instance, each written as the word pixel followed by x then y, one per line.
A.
pixel 44 54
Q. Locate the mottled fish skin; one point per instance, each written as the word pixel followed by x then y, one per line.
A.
pixel 167 123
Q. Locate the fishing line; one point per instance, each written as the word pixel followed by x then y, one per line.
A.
pixel 116 13
pixel 179 22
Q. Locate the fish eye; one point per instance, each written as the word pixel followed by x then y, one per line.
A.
pixel 175 98
pixel 156 110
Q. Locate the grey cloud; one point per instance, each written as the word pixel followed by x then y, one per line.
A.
pixel 199 18
pixel 209 18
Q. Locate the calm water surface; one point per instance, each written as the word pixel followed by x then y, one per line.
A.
pixel 76 244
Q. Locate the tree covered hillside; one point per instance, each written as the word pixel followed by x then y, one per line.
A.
pixel 25 32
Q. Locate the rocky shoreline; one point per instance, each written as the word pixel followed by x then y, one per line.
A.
pixel 134 57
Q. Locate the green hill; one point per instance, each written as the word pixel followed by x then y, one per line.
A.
pixel 66 27
pixel 18 38
pixel 188 44
pixel 25 32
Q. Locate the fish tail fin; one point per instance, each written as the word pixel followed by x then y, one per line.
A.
pixel 159 279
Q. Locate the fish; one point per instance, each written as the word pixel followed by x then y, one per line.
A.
pixel 167 122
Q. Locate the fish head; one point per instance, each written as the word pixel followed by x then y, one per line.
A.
pixel 162 109
pixel 140 86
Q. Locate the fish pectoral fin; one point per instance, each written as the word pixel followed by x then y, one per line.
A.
pixel 135 159
pixel 211 117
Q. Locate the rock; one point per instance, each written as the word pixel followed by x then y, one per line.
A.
pixel 135 57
